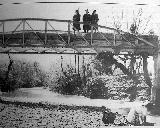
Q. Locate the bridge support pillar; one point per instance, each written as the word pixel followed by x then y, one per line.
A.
pixel 45 38
pixel 3 33
pixel 155 93
pixel 69 33
pixel 23 33
pixel 91 35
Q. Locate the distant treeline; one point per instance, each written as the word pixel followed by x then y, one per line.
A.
pixel 32 36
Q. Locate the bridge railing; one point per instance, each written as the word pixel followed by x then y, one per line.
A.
pixel 25 26
pixel 39 32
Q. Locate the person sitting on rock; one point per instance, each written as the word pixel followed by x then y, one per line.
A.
pixel 137 115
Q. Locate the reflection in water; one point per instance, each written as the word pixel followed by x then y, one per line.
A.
pixel 50 62
pixel 54 62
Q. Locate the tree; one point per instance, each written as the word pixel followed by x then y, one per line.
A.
pixel 5 83
pixel 107 61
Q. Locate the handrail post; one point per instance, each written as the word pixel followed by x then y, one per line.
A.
pixel 114 43
pixel 69 33
pixel 46 32
pixel 78 63
pixel 23 34
pixel 75 61
pixel 91 35
pixel 3 33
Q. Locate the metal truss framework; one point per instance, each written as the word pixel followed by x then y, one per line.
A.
pixel 87 44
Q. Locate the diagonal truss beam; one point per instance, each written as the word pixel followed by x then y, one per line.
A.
pixel 121 32
pixel 57 33
pixel 13 32
pixel 137 36
pixel 126 39
pixel 1 24
pixel 103 35
pixel 35 33
pixel 81 35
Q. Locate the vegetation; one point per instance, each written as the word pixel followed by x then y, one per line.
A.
pixel 108 61
pixel 68 83
pixel 21 74
pixel 96 79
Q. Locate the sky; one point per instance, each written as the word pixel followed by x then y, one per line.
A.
pixel 124 12
pixel 107 12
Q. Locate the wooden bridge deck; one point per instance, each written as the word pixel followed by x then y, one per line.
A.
pixel 22 38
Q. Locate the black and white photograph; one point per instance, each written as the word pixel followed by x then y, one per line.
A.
pixel 79 63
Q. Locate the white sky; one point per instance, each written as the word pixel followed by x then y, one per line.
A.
pixel 66 11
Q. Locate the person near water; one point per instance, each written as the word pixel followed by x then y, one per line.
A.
pixel 137 115
pixel 94 20
pixel 86 21
pixel 76 18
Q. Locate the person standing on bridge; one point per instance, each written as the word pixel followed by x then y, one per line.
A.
pixel 94 20
pixel 86 21
pixel 76 18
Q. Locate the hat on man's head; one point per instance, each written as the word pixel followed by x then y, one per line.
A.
pixel 94 11
pixel 86 10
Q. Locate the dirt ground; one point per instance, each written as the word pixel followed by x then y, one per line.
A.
pixel 35 95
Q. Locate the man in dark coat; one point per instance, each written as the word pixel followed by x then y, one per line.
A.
pixel 87 21
pixel 94 20
pixel 76 18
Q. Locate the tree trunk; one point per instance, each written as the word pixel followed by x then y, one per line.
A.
pixel 133 89
pixel 146 74
pixel 156 85
pixel 5 85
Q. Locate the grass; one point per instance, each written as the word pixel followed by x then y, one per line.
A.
pixel 55 115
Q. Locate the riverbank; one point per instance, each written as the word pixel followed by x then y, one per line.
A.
pixel 38 107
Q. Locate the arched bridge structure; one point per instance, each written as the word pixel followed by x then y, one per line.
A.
pixel 40 36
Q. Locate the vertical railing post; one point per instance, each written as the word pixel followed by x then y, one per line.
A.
pixel 75 63
pixel 3 42
pixel 62 63
pixel 78 63
pixel 23 33
pixel 69 33
pixel 46 32
pixel 114 43
pixel 91 35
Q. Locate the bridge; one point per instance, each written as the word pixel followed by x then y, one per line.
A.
pixel 24 38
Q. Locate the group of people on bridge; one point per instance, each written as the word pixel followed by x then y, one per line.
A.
pixel 88 19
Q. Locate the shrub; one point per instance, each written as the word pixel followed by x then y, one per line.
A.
pixel 100 80
pixel 68 83
pixel 10 85
pixel 23 75
pixel 71 84
pixel 96 88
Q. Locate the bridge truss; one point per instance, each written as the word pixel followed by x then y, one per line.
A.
pixel 25 38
